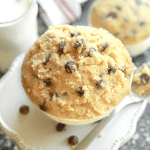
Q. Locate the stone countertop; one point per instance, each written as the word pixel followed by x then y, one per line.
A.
pixel 141 138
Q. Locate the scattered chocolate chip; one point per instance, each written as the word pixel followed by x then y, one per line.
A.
pixel 60 127
pixel 24 109
pixel 73 140
pixel 80 92
pixel 142 24
pixel 70 67
pixel 48 82
pixel 112 14
pixel 111 70
pixel 43 107
pixel 79 43
pixel 45 61
pixel 144 78
pixel 35 76
pixel 118 7
pixel 99 84
pixel 61 47
pixel 105 45
pixel 91 50
pixel 75 34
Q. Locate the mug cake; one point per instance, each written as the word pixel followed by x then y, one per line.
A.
pixel 76 73
pixel 126 19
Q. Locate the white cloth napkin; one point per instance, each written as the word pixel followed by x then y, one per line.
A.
pixel 56 12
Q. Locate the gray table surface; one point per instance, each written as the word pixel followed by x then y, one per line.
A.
pixel 141 138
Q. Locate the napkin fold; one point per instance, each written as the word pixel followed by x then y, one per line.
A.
pixel 56 12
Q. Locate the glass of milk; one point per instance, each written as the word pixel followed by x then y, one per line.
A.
pixel 18 29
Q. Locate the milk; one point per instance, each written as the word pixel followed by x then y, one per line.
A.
pixel 18 29
pixel 12 9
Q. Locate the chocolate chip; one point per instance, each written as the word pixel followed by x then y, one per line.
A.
pixel 73 140
pixel 105 45
pixel 118 7
pixel 80 92
pixel 48 82
pixel 43 107
pixel 111 70
pixel 79 43
pixel 60 127
pixel 144 78
pixel 142 24
pixel 112 14
pixel 70 67
pixel 99 84
pixel 51 96
pixel 35 76
pixel 61 47
pixel 91 50
pixel 65 94
pixel 75 34
pixel 24 109
pixel 45 61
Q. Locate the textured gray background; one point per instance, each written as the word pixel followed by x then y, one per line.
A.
pixel 141 139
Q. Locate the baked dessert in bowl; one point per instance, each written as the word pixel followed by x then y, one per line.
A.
pixel 126 20
pixel 77 75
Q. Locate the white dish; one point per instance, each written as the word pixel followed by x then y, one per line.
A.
pixel 35 130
